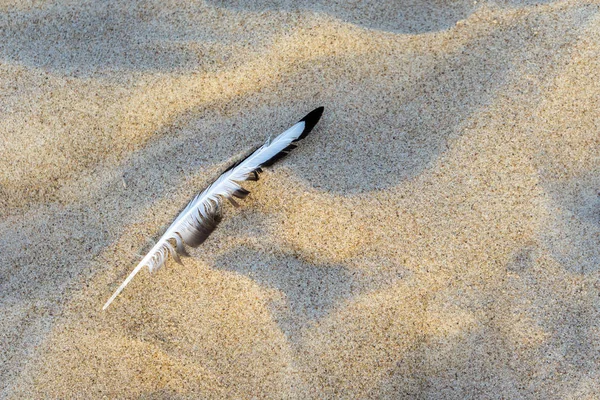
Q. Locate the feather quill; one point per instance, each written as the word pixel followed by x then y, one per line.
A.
pixel 202 215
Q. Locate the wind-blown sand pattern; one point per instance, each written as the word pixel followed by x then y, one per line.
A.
pixel 437 236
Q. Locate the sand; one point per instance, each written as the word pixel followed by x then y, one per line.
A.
pixel 437 236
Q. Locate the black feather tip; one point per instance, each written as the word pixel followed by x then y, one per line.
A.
pixel 310 120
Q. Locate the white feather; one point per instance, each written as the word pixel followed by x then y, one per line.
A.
pixel 201 216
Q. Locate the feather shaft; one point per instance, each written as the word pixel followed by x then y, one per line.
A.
pixel 133 273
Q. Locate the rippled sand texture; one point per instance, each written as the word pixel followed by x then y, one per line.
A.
pixel 436 237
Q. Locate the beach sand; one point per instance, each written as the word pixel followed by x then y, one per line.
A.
pixel 437 236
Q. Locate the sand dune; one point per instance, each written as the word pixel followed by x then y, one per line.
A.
pixel 437 235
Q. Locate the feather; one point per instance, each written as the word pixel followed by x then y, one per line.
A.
pixel 202 215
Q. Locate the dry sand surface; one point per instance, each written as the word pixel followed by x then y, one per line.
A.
pixel 437 236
